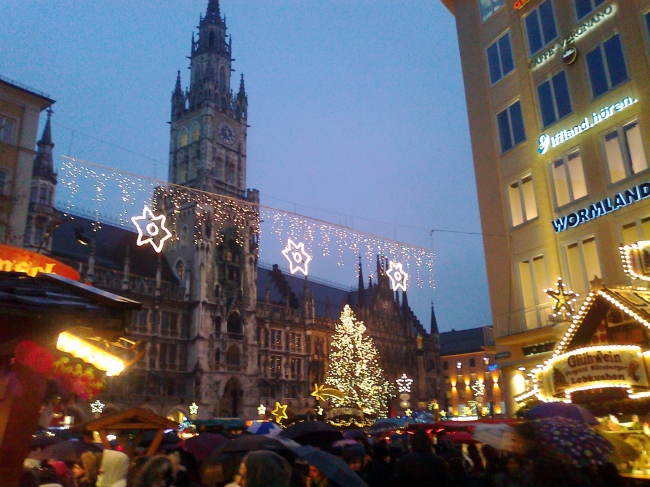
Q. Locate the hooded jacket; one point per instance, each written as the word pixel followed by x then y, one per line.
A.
pixel 114 468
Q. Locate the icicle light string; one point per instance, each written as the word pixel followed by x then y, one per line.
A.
pixel 213 211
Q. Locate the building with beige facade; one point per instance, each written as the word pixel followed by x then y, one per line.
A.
pixel 20 110
pixel 558 102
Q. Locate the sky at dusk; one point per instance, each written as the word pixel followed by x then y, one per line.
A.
pixel 356 110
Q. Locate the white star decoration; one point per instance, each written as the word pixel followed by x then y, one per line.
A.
pixel 261 409
pixel 404 383
pixel 319 410
pixel 97 407
pixel 397 275
pixel 155 231
pixel 194 409
pixel 297 256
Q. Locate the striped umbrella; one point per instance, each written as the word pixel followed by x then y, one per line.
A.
pixel 264 428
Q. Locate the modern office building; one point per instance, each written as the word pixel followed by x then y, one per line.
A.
pixel 559 111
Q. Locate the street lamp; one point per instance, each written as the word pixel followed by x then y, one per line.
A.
pixel 81 237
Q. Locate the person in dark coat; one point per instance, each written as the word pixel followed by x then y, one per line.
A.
pixel 422 467
pixel 380 470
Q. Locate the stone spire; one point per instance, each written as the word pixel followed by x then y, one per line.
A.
pixel 43 162
pixel 434 322
pixel 361 299
pixel 213 12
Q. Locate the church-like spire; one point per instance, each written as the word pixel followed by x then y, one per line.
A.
pixel 434 322
pixel 242 89
pixel 213 10
pixel 361 291
pixel 43 162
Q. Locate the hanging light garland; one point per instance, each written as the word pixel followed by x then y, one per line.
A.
pixel 129 193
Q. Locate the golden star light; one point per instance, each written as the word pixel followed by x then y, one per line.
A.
pixel 397 276
pixel 280 412
pixel 194 409
pixel 563 299
pixel 97 407
pixel 297 256
pixel 408 412
pixel 321 392
pixel 156 232
pixel 404 384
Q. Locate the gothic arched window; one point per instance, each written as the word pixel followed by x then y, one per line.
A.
pixel 234 324
pixel 222 77
pixel 182 141
pixel 34 193
pixel 42 196
pixel 195 132
pixel 180 270
pixel 233 357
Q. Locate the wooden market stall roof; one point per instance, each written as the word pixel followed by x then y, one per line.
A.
pixel 136 419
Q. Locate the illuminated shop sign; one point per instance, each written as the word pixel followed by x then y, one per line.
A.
pixel 518 5
pixel 14 259
pixel 636 259
pixel 593 368
pixel 603 207
pixel 577 33
pixel 547 141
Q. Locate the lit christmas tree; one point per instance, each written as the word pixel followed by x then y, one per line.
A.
pixel 354 368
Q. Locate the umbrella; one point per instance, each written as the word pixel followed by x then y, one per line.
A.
pixel 264 428
pixel 333 467
pixel 66 451
pixel 352 434
pixel 384 425
pixel 499 435
pixel 573 441
pixel 246 443
pixel 315 433
pixel 461 437
pixel 43 440
pixel 623 451
pixel 566 410
pixel 202 445
pixel 344 443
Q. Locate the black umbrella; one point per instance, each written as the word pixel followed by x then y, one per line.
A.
pixel 42 440
pixel 333 467
pixel 67 451
pixel 246 443
pixel 314 433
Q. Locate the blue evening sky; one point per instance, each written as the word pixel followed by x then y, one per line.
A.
pixel 356 108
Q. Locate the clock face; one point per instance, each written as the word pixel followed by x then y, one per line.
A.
pixel 226 133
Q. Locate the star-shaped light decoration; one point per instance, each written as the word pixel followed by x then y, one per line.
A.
pixel 194 409
pixel 319 410
pixel 397 276
pixel 297 256
pixel 155 232
pixel 478 388
pixel 321 393
pixel 97 407
pixel 280 412
pixel 404 384
pixel 261 409
pixel 408 412
pixel 563 299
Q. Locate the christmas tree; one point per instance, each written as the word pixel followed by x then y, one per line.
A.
pixel 354 368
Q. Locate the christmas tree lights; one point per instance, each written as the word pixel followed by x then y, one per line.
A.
pixel 354 368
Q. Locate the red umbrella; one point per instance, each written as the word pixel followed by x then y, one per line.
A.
pixel 202 445
pixel 461 437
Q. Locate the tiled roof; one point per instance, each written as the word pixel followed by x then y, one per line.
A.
pixel 462 341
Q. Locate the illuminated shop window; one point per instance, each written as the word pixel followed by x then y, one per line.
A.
pixel 582 263
pixel 488 7
pixel 606 66
pixel 533 280
pixel 511 127
pixel 554 99
pixel 624 151
pixel 499 56
pixel 568 178
pixel 540 27
pixel 521 195
pixel 635 231
pixel 585 7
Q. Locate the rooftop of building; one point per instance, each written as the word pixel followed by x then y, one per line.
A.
pixel 456 342
pixel 27 89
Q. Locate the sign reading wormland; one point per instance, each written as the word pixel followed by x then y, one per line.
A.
pixel 603 207
pixel 547 141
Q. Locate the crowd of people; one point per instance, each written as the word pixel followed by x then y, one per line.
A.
pixel 409 460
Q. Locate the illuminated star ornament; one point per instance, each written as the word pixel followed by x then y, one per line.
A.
pixel 319 410
pixel 321 393
pixel 397 276
pixel 478 388
pixel 297 256
pixel 408 412
pixel 280 412
pixel 563 299
pixel 97 407
pixel 404 383
pixel 154 232
pixel 261 409
pixel 194 409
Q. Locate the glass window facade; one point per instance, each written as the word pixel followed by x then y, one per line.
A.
pixel 624 151
pixel 499 56
pixel 554 99
pixel 488 7
pixel 533 281
pixel 540 27
pixel 606 66
pixel 582 263
pixel 511 127
pixel 523 206
pixel 585 7
pixel 568 178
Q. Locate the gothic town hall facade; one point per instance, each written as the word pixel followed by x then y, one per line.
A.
pixel 221 330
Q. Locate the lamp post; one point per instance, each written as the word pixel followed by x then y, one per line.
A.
pixel 81 237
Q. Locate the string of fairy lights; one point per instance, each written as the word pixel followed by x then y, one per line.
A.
pixel 157 208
